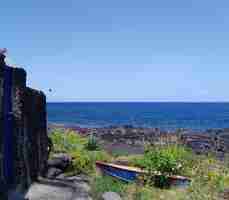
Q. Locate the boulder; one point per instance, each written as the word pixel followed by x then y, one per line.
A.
pixel 111 196
pixel 60 161
pixel 61 176
pixel 53 172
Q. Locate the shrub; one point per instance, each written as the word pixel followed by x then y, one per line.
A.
pixel 66 141
pixel 162 161
pixel 92 143
pixel 168 160
pixel 81 162
pixel 84 161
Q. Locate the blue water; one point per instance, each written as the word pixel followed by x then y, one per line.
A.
pixel 160 115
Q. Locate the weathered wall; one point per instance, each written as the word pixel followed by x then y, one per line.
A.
pixel 29 133
pixel 35 123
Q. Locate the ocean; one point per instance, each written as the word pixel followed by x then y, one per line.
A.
pixel 169 116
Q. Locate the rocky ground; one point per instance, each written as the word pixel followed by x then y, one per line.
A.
pixel 71 188
pixel 131 139
pixel 56 185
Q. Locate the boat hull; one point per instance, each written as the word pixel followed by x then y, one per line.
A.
pixel 130 174
pixel 123 173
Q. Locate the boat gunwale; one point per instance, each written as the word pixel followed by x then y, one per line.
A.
pixel 122 167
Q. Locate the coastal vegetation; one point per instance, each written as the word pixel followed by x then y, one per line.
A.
pixel 84 151
pixel 209 175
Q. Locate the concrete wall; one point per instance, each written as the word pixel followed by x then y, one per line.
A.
pixel 29 133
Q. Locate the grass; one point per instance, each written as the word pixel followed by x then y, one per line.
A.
pixel 101 184
pixel 134 192
pixel 210 177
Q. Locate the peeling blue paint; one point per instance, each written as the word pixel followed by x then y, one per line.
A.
pixel 8 169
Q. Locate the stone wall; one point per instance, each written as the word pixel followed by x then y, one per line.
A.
pixel 29 142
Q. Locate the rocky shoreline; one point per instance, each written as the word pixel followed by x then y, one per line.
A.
pixel 216 140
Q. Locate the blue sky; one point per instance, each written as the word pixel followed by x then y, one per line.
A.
pixel 121 50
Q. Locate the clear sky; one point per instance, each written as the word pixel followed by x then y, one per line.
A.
pixel 148 50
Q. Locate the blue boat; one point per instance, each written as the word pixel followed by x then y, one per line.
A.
pixel 130 174
pixel 125 173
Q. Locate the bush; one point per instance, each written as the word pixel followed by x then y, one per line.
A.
pixel 162 161
pixel 81 162
pixel 84 161
pixel 92 144
pixel 168 160
pixel 67 141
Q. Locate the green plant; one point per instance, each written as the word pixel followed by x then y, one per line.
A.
pixel 168 160
pixel 92 143
pixel 66 141
pixel 162 161
pixel 83 161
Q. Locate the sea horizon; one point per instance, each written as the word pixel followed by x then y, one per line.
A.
pixel 164 115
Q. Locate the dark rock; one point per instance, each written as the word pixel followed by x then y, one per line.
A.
pixel 60 161
pixel 61 176
pixel 53 172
